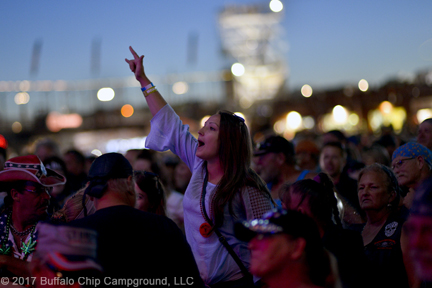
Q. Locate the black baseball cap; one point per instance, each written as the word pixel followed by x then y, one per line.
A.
pixel 275 144
pixel 105 167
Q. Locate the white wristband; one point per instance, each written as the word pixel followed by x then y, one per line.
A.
pixel 147 87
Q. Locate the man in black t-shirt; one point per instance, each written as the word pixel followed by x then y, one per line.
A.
pixel 145 248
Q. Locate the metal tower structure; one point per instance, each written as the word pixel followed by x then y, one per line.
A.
pixel 251 35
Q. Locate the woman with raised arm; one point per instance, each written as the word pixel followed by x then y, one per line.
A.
pixel 223 188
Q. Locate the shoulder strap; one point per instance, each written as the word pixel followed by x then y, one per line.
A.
pixel 236 258
pixel 222 238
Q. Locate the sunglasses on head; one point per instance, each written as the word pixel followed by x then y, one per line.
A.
pixel 263 146
pixel 145 174
pixel 155 177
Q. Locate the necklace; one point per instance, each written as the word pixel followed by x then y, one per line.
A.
pixel 26 247
pixel 23 233
pixel 4 249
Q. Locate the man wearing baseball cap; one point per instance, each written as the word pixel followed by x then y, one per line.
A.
pixel 133 244
pixel 28 184
pixel 275 163
pixel 286 250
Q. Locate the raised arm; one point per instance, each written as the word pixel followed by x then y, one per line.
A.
pixel 155 101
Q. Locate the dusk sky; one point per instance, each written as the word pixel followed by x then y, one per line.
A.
pixel 329 42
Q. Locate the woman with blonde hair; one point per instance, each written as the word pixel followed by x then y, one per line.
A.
pixel 73 208
pixel 379 196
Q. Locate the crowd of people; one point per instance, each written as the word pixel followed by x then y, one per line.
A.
pixel 218 210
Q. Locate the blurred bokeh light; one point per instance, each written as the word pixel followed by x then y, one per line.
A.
pixel 276 5
pixel 96 152
pixel 16 127
pixel 294 120
pixel 363 85
pixel 180 87
pixel 423 114
pixel 22 98
pixel 306 91
pixel 56 121
pixel 238 69
pixel 204 119
pixel 105 94
pixel 127 110
pixel 340 114
pixel 308 122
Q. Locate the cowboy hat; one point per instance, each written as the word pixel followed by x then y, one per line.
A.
pixel 30 168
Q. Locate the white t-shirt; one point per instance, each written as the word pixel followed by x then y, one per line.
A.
pixel 213 260
pixel 174 208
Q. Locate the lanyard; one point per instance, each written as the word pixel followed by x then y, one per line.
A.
pixel 203 194
pixel 206 229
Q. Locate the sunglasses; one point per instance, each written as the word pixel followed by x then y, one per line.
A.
pixel 400 163
pixel 39 190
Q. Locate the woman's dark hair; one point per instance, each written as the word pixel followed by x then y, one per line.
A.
pixel 300 225
pixel 57 201
pixel 55 163
pixel 319 195
pixel 379 154
pixel 79 157
pixel 151 156
pixel 235 154
pixel 317 259
pixel 150 184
